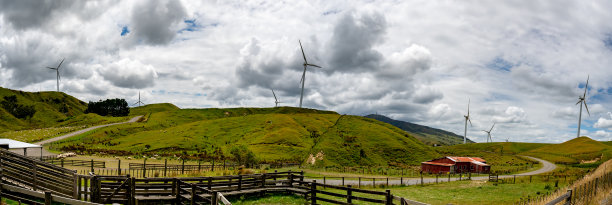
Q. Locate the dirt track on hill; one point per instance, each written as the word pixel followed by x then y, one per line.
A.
pixel 36 151
pixel 547 167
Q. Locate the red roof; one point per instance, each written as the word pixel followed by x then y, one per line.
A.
pixel 466 159
pixel 437 163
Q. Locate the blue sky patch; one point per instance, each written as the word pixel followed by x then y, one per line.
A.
pixel 124 31
pixel 500 64
pixel 193 25
pixel 608 41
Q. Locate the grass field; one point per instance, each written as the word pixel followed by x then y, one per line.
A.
pixel 283 134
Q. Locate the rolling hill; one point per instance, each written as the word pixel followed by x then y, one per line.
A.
pixel 283 134
pixel 573 151
pixel 52 109
pixel 426 134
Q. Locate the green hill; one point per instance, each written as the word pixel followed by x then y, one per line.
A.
pixel 426 134
pixel 51 108
pixel 573 151
pixel 283 134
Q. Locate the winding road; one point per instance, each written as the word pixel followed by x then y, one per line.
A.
pixel 547 167
pixel 36 151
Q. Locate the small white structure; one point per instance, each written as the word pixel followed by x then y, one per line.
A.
pixel 14 144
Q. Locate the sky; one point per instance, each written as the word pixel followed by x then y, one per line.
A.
pixel 520 64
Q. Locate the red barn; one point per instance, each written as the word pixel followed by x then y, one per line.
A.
pixel 456 165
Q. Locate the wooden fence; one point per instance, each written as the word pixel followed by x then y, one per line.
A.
pixel 77 163
pixel 37 182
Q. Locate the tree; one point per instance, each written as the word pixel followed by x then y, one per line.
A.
pixel 113 107
pixel 243 155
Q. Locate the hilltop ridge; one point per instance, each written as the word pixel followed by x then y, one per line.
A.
pixel 427 135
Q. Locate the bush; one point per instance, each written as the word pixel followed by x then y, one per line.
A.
pixel 9 103
pixel 113 107
pixel 242 155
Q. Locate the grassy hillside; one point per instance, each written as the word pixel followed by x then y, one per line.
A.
pixel 426 134
pixel 573 151
pixel 274 134
pixel 51 108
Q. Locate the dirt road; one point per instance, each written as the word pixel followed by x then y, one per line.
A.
pixel 547 167
pixel 36 151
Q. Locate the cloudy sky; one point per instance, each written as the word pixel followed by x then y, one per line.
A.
pixel 522 64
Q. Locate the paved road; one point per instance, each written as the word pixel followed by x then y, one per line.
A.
pixel 36 151
pixel 547 167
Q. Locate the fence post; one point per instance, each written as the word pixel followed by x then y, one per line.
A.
pixel 144 168
pixel 92 166
pixel 437 178
pixel 401 180
pixel 421 179
pixel 47 198
pixel 183 167
pixel 569 199
pixel 119 167
pixel 263 180
pixel 212 168
pixel 373 182
pixel 34 177
pixel 359 185
pixel 62 162
pixel 349 194
pixel 389 198
pixel 514 180
pixel 342 181
pixel 165 166
pixel 193 193
pixel 323 182
pixel 210 183
pixel 387 181
pixel 239 182
pixel 313 192
pixel 75 185
pixel 215 198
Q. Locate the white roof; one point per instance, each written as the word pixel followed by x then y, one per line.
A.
pixel 14 144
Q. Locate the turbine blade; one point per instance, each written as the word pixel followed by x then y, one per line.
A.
pixel 585 87
pixel 274 95
pixel 314 65
pixel 470 122
pixel 58 66
pixel 469 107
pixel 587 108
pixel 492 127
pixel 303 75
pixel 579 101
pixel 304 55
pixel 51 68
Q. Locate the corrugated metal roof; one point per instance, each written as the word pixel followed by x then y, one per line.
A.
pixel 466 159
pixel 14 144
pixel 437 163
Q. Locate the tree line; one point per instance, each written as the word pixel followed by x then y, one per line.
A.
pixel 113 107
pixel 9 103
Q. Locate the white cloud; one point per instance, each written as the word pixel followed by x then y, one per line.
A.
pixel 603 122
pixel 415 61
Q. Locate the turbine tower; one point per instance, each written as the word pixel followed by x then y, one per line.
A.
pixel 306 64
pixel 467 119
pixel 489 133
pixel 582 100
pixel 139 103
pixel 57 71
pixel 276 102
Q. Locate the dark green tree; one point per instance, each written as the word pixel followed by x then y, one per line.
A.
pixel 10 104
pixel 113 107
pixel 243 155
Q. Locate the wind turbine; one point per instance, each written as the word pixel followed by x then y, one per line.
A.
pixel 489 133
pixel 306 64
pixel 57 71
pixel 139 103
pixel 276 102
pixel 467 118
pixel 582 100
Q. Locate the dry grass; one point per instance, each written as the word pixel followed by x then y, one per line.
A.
pixel 602 192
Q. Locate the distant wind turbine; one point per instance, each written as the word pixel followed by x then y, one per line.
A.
pixel 489 133
pixel 467 119
pixel 139 103
pixel 306 64
pixel 582 100
pixel 276 102
pixel 57 69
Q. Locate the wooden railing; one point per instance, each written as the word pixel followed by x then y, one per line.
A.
pixel 77 163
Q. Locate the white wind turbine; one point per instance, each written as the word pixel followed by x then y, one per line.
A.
pixel 582 100
pixel 276 102
pixel 57 71
pixel 467 118
pixel 306 64
pixel 489 133
pixel 139 103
